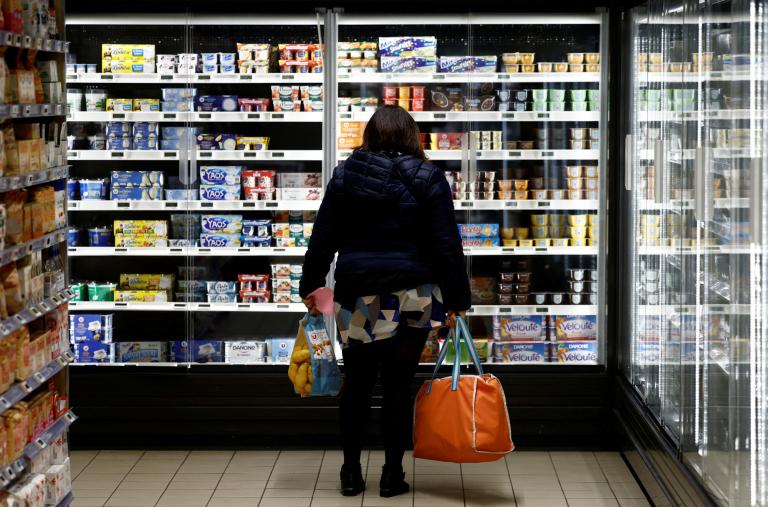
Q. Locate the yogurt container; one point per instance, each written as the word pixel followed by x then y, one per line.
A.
pixel 101 291
pixel 95 99
pixel 93 190
pixel 74 100
pixel 73 236
pixel 73 190
pixel 100 236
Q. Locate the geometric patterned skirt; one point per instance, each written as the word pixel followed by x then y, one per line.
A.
pixel 378 317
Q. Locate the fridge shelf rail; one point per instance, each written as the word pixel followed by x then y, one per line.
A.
pixel 519 250
pixel 497 116
pixel 35 178
pixel 469 77
pixel 33 312
pixel 202 155
pixel 668 310
pixel 183 79
pixel 675 155
pixel 196 117
pixel 16 252
pixel 719 114
pixel 20 390
pixel 695 77
pixel 97 205
pixel 529 204
pixel 493 310
pixel 693 250
pixel 507 154
pixel 688 204
pixel 183 307
pixel 108 251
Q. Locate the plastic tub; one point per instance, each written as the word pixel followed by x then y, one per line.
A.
pixel 100 236
pixel 93 190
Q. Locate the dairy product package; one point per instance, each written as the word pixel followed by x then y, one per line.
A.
pixel 141 296
pixel 522 328
pixel 177 133
pixel 219 192
pixel 221 298
pixel 576 352
pixel 120 193
pixel 141 352
pixel 408 46
pixel 93 322
pixel 119 105
pixel 245 352
pixel 216 103
pixel 478 230
pixel 299 180
pixel 221 287
pixel 144 52
pixel 286 297
pixel 147 281
pixel 127 67
pixel 522 352
pixel 280 349
pixel 179 94
pixel 140 241
pixel 153 227
pixel 223 224
pixel 213 240
pixel 146 105
pixel 456 64
pixel 170 144
pixel 576 327
pixel 251 242
pixel 256 228
pixel 103 335
pixel 220 175
pixel 199 351
pixel 300 194
pixel 415 64
pixel 94 352
pixel 177 106
pixel 137 178
pixel 480 242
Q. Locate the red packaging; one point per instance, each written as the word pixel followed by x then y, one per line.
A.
pixel 259 194
pixel 390 92
pixel 253 283
pixel 390 102
pixel 417 92
pixel 258 179
pixel 417 105
pixel 253 105
pixel 255 296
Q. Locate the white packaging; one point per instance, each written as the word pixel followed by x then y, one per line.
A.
pixel 57 483
pixel 299 180
pixel 59 451
pixel 187 68
pixel 209 58
pixel 245 352
pixel 300 194
pixel 188 58
pixel 166 68
pixel 166 59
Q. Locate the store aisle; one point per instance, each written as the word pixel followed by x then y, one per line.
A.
pixel 310 479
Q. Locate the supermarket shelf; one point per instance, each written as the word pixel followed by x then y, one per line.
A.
pixel 531 204
pixel 720 114
pixel 31 110
pixel 33 312
pixel 16 252
pixel 183 307
pixel 507 154
pixel 35 178
pixel 97 205
pixel 412 77
pixel 519 250
pixel 693 250
pixel 485 116
pixel 674 205
pixel 202 155
pixel 19 391
pixel 200 117
pixel 670 310
pixel 485 310
pixel 96 251
pixel 183 79
pixel 644 78
pixel 675 155
pixel 19 40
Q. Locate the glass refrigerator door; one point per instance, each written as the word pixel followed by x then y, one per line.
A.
pixel 258 171
pixel 536 159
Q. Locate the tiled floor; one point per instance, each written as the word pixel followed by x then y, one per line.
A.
pixel 310 479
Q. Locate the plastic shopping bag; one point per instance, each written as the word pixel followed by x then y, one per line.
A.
pixel 313 369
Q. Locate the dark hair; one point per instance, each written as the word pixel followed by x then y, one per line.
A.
pixel 392 129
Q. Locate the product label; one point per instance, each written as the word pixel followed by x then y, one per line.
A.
pixel 580 327
pixel 537 352
pixel 527 328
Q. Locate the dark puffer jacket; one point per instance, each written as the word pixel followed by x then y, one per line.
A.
pixel 391 219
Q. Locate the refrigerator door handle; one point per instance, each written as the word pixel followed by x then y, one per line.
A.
pixel 473 147
pixel 700 166
pixel 629 147
pixel 756 201
pixel 465 158
pixel 660 159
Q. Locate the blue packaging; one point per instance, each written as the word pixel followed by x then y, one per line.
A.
pixel 180 194
pixel 280 349
pixel 478 230
pixel 118 128
pixel 73 236
pixel 199 351
pixel 216 103
pixel 94 352
pixel 100 236
pixel 417 64
pixel 408 46
pixel 227 58
pixel 145 128
pixel 576 352
pixel 170 144
pixel 73 190
pixel 456 64
pixel 119 142
pixel 522 328
pixel 178 93
pixel 220 175
pixel 93 190
pixel 484 63
pixel 226 141
pixel 251 242
pixel 177 106
pixel 193 285
pixel 221 287
pixel 177 133
pixel 137 178
pixel 522 352
pixel 140 352
pixel 219 192
pixel 222 298
pixel 103 335
pixel 575 327
pixel 647 352
pixel 226 224
pixel 137 193
pixel 90 326
pixel 219 240
pixel 145 143
pixel 256 229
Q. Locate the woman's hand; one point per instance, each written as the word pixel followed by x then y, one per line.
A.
pixel 450 317
pixel 311 307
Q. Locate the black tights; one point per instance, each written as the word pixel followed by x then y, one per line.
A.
pixel 397 359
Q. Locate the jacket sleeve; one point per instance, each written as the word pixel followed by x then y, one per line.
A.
pixel 448 250
pixel 323 244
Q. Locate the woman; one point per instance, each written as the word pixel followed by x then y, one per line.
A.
pixel 389 215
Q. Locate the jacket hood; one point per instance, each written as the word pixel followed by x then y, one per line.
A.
pixel 376 176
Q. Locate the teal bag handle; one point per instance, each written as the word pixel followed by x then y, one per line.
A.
pixel 461 331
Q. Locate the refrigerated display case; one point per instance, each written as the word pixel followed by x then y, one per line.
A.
pixel 695 173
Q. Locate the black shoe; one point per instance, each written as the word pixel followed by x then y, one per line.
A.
pixel 392 482
pixel 352 483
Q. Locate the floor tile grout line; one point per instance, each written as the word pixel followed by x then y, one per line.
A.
pixel 86 465
pixel 186 457
pixel 509 474
pixel 317 479
pixel 271 471
pixel 557 474
pixel 221 477
pixel 124 476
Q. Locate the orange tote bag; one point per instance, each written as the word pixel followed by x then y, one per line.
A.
pixel 461 418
